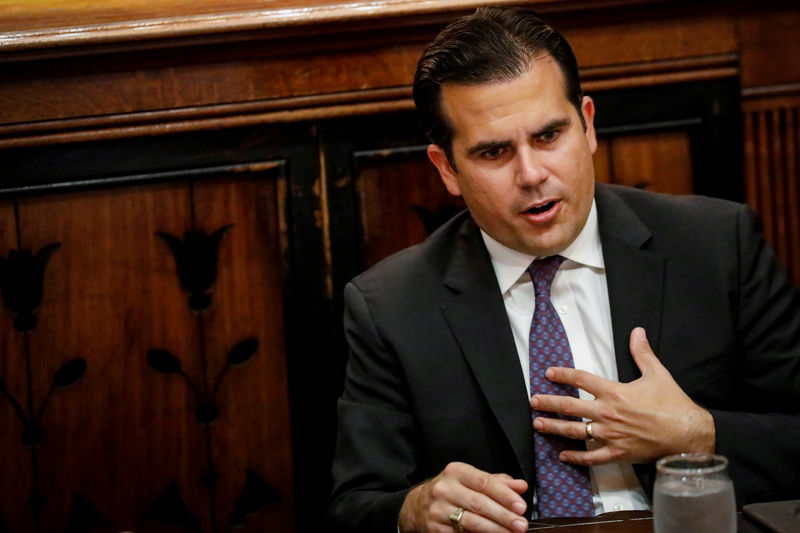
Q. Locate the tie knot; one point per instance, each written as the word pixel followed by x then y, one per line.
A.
pixel 542 272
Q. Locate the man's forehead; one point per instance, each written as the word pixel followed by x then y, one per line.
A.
pixel 538 94
pixel 542 63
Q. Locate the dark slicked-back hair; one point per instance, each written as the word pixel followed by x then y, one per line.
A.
pixel 492 44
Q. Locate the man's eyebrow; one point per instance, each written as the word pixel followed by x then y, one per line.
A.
pixel 488 145
pixel 552 125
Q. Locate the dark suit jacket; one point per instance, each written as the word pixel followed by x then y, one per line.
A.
pixel 434 376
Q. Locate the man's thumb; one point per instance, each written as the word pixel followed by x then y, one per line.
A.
pixel 643 355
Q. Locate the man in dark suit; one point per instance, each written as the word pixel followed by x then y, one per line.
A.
pixel 685 332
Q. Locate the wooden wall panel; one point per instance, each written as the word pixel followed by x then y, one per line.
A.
pixel 83 88
pixel 254 432
pixel 125 434
pixel 656 161
pixel 111 296
pixel 659 162
pixel 602 161
pixel 399 193
pixel 16 462
pixel 663 36
pixel 770 49
pixel 772 173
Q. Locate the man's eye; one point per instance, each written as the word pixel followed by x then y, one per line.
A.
pixel 492 153
pixel 549 136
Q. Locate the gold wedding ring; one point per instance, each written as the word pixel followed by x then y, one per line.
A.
pixel 589 434
pixel 455 520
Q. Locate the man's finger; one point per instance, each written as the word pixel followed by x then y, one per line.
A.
pixel 642 353
pixel 565 428
pixel 491 500
pixel 501 489
pixel 471 521
pixel 481 504
pixel 565 405
pixel 598 456
pixel 579 379
pixel 494 487
pixel 517 485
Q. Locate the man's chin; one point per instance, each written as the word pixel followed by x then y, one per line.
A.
pixel 543 249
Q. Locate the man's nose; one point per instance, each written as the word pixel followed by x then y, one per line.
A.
pixel 530 170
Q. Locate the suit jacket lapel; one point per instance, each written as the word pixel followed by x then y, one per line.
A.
pixel 634 274
pixel 477 317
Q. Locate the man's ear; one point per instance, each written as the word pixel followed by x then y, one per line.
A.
pixel 587 108
pixel 439 159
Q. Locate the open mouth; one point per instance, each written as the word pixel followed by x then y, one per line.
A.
pixel 539 209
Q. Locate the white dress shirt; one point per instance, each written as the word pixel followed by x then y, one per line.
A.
pixel 580 296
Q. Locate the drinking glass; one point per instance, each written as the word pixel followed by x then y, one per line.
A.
pixel 693 493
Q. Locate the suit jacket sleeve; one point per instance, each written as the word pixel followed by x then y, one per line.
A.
pixel 375 457
pixel 760 437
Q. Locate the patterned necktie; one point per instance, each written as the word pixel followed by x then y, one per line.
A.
pixel 563 489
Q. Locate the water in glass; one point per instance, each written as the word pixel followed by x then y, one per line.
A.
pixel 693 493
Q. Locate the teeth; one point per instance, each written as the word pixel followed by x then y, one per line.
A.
pixel 541 209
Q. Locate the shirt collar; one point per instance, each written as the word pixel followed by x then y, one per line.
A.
pixel 509 264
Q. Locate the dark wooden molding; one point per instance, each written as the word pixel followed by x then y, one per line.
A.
pixel 771 91
pixel 335 105
pixel 660 72
pixel 203 118
pixel 142 24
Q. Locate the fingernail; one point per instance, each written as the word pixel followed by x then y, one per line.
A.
pixel 520 525
pixel 538 425
pixel 518 507
pixel 534 402
pixel 549 373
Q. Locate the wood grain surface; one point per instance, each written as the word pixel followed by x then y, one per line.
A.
pixel 125 432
